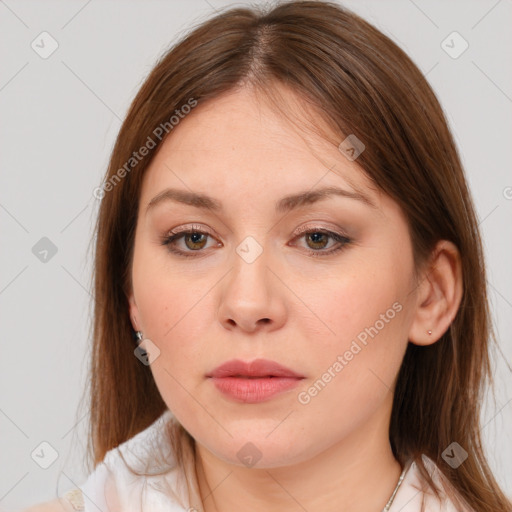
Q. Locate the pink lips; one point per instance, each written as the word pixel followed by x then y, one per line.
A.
pixel 255 381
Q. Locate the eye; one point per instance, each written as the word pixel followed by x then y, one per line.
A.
pixel 318 239
pixel 194 240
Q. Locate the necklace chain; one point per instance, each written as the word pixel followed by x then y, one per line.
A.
pixel 400 480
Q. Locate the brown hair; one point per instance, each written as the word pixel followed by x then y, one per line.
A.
pixel 361 83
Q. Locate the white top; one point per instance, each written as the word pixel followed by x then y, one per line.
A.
pixel 111 486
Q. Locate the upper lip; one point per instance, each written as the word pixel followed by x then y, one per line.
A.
pixel 256 368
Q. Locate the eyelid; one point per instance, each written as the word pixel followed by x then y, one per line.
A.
pixel 189 227
pixel 317 227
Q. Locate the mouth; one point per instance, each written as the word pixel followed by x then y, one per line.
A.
pixel 253 382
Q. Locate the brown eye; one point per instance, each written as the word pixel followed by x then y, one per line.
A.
pixel 197 240
pixel 194 242
pixel 319 239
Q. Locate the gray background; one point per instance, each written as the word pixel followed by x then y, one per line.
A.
pixel 60 117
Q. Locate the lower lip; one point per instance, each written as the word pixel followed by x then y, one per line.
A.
pixel 256 390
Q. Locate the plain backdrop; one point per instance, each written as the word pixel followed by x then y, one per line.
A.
pixel 60 114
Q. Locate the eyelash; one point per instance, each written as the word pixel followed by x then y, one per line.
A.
pixel 343 240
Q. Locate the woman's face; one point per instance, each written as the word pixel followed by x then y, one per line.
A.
pixel 268 279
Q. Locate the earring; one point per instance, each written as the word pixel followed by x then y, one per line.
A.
pixel 429 332
pixel 138 337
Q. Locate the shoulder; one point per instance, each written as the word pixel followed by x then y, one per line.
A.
pixel 123 473
pixel 72 501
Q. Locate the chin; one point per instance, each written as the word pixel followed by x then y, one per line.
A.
pixel 258 450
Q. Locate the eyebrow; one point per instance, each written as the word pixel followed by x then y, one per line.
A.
pixel 285 204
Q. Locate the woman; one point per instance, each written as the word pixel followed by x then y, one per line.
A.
pixel 286 228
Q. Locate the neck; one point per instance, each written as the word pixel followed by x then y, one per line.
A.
pixel 357 473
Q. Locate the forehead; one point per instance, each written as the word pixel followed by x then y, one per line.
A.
pixel 238 144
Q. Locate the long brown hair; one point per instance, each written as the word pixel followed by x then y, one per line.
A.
pixel 361 83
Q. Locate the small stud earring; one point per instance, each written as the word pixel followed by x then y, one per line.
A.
pixel 429 332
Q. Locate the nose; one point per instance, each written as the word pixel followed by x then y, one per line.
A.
pixel 252 298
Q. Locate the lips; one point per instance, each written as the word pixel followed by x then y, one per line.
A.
pixel 253 382
pixel 259 368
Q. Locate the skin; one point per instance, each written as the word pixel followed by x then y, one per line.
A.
pixel 332 453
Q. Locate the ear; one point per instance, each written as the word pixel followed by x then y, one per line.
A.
pixel 134 312
pixel 438 296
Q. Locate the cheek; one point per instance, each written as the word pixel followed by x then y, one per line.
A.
pixel 171 315
pixel 174 322
pixel 367 347
pixel 354 373
pixel 363 324
pixel 174 310
pixel 343 306
pixel 165 298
